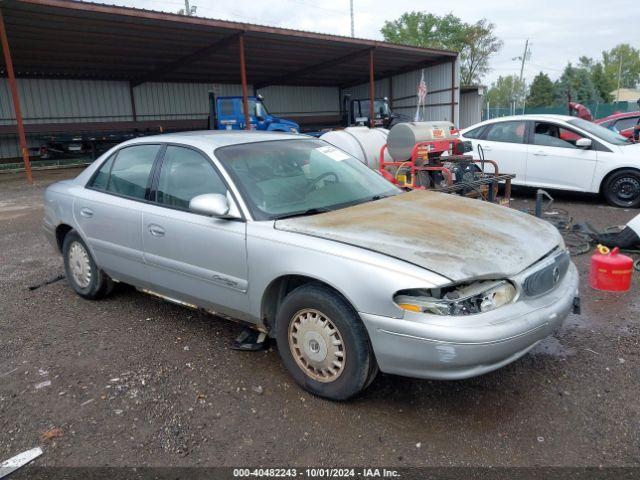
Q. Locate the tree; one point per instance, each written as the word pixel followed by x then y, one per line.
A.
pixel 475 42
pixel 541 93
pixel 506 90
pixel 577 83
pixel 611 62
pixel 604 85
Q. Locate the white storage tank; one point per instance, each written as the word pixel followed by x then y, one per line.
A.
pixel 403 136
pixel 364 143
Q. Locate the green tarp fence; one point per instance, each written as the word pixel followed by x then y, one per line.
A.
pixel 598 110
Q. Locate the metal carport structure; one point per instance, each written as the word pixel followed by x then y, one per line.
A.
pixel 63 39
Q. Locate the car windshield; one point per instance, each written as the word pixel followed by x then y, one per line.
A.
pixel 257 108
pixel 602 133
pixel 303 176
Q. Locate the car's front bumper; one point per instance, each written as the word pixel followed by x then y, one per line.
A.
pixel 451 348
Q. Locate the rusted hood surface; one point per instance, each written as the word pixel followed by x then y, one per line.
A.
pixel 457 237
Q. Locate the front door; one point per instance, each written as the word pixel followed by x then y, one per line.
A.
pixel 109 211
pixel 192 257
pixel 554 160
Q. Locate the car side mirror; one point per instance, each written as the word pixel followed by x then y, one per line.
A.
pixel 583 143
pixel 210 204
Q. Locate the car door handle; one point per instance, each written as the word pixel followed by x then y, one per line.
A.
pixel 156 230
pixel 540 154
pixel 485 148
pixel 86 212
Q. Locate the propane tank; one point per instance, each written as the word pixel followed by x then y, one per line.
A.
pixel 610 271
pixel 364 143
pixel 403 136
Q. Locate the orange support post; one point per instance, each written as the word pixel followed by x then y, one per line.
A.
pixel 16 100
pixel 243 76
pixel 372 119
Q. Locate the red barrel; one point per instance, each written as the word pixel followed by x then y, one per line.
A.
pixel 610 270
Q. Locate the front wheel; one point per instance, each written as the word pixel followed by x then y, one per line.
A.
pixel 323 343
pixel 622 189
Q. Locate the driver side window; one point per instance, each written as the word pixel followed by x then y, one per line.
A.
pixel 552 135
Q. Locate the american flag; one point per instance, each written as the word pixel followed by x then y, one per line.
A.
pixel 422 90
pixel 422 96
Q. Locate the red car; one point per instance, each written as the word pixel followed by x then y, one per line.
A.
pixel 622 123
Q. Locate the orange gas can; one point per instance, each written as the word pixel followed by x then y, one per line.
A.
pixel 610 270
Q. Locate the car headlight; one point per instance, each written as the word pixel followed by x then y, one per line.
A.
pixel 467 299
pixel 293 130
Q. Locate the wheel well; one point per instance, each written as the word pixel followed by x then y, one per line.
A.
pixel 278 289
pixel 613 172
pixel 61 232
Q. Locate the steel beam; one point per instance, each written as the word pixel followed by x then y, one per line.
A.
pixel 162 70
pixel 243 77
pixel 16 99
pixel 453 91
pixel 289 77
pixel 372 92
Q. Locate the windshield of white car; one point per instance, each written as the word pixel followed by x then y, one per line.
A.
pixel 602 133
pixel 287 178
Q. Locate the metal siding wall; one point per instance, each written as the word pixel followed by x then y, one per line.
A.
pixel 470 109
pixel 437 77
pixel 381 89
pixel 286 100
pixel 168 101
pixel 62 101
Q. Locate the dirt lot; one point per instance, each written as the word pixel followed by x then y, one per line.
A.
pixel 138 381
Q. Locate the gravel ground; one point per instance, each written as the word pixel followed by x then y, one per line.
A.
pixel 132 380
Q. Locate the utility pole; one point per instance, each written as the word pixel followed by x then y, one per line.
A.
pixel 525 56
pixel 619 78
pixel 352 29
pixel 188 10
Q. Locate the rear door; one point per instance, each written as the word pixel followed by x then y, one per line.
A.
pixel 192 257
pixel 554 161
pixel 109 211
pixel 504 143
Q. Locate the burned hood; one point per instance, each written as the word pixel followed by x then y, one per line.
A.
pixel 459 238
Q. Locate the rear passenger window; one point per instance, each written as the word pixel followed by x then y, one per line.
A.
pixel 130 172
pixel 102 175
pixel 475 133
pixel 186 174
pixel 510 132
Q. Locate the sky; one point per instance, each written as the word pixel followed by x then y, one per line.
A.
pixel 559 31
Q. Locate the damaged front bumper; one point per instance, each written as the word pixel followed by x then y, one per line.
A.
pixel 449 348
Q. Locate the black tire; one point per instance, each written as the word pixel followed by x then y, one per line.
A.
pixel 359 368
pixel 622 189
pixel 99 285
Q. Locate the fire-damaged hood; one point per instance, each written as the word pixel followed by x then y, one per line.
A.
pixel 459 238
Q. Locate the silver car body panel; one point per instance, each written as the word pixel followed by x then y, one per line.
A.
pixel 367 253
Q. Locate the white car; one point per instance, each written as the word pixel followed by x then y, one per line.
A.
pixel 561 152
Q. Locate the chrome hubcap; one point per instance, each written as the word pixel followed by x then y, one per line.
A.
pixel 79 265
pixel 316 345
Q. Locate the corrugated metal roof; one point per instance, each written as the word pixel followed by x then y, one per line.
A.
pixel 62 38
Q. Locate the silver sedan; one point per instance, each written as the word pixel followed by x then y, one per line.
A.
pixel 303 242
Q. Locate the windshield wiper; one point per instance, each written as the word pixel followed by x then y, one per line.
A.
pixel 303 213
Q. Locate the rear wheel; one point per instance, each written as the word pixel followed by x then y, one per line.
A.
pixel 323 343
pixel 83 275
pixel 622 189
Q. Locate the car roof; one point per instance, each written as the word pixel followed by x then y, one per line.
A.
pixel 616 116
pixel 529 116
pixel 209 140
